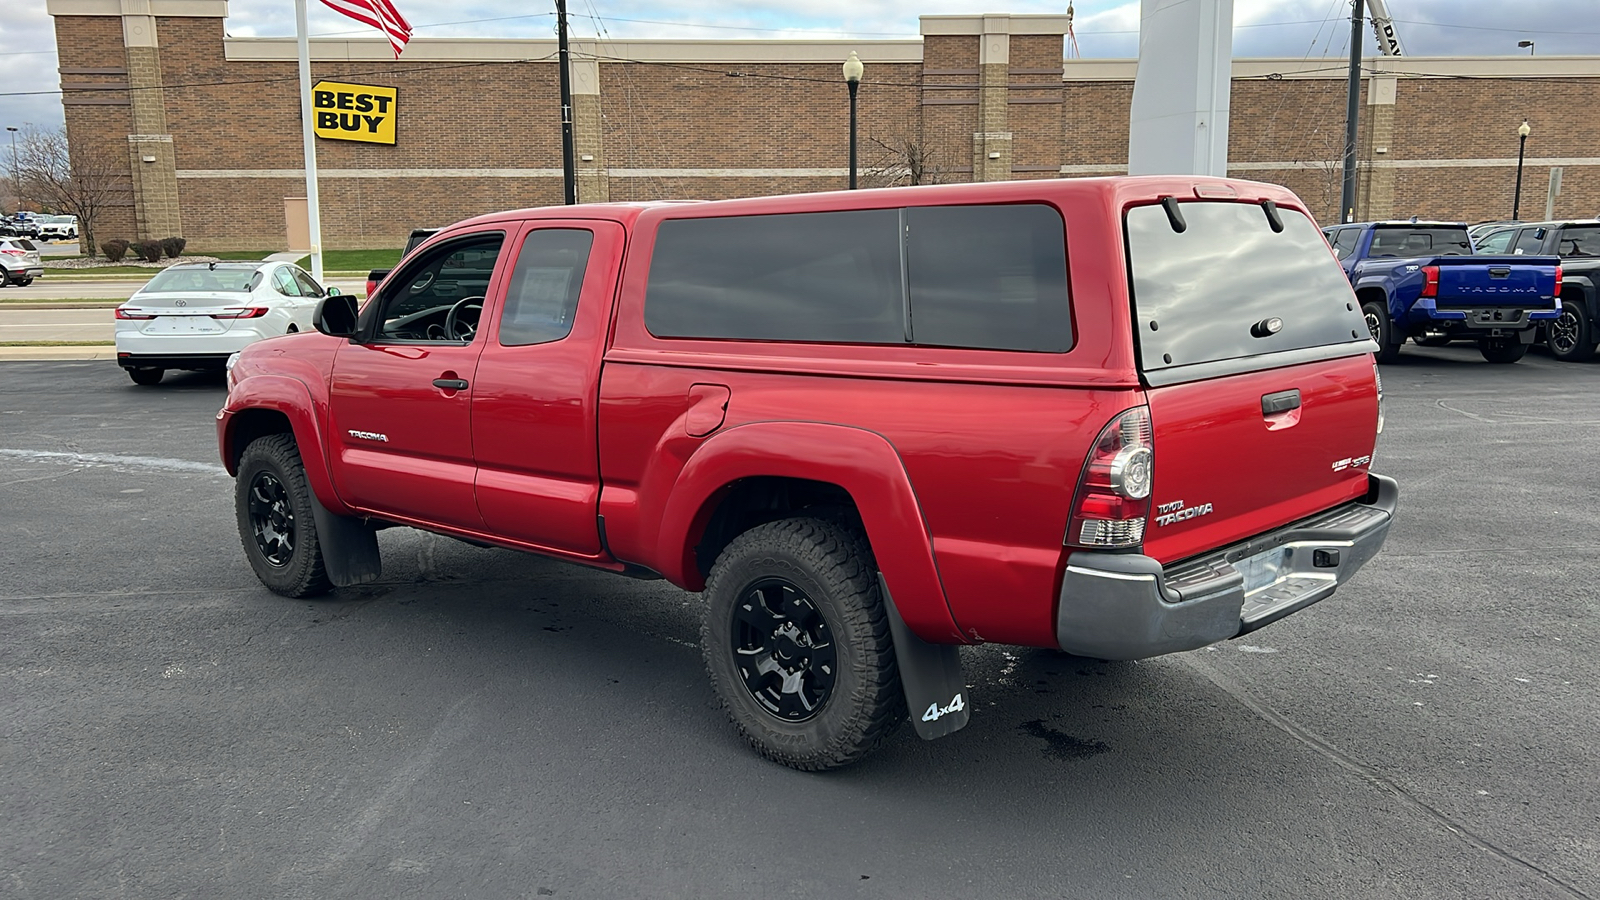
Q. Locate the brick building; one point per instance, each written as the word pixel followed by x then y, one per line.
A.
pixel 209 124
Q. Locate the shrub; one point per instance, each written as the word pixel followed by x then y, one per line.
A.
pixel 115 250
pixel 149 251
pixel 173 246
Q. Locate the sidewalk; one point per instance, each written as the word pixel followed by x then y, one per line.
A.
pixel 56 353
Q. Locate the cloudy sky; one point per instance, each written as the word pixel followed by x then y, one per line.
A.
pixel 1105 28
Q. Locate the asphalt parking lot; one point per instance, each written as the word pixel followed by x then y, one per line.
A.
pixel 486 724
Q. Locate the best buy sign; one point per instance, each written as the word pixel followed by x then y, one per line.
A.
pixel 353 112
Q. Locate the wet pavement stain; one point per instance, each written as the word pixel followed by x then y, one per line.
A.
pixel 1063 746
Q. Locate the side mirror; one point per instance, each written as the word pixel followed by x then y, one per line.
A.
pixel 336 315
pixel 331 292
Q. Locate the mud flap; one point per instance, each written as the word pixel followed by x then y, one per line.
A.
pixel 349 547
pixel 930 674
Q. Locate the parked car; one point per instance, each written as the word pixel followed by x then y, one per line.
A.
pixel 58 228
pixel 1574 334
pixel 1475 232
pixel 1120 417
pixel 19 262
pixel 1422 280
pixel 376 276
pixel 195 315
pixel 18 226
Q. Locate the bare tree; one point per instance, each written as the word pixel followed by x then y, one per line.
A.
pixel 901 158
pixel 81 181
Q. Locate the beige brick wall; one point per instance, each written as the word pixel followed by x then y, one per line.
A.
pixel 244 116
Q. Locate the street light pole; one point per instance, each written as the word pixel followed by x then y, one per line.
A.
pixel 1352 112
pixel 16 173
pixel 1528 44
pixel 569 175
pixel 852 78
pixel 1522 144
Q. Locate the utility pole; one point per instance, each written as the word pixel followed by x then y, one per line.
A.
pixel 569 172
pixel 1352 113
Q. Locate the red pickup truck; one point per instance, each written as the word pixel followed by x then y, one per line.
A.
pixel 1120 417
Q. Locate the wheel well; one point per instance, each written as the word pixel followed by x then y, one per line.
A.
pixel 251 425
pixel 1373 295
pixel 749 502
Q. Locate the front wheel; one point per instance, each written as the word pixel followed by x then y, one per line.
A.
pixel 1502 350
pixel 1382 331
pixel 273 504
pixel 1571 336
pixel 796 641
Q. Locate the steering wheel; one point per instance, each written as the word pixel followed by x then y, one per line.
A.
pixel 458 328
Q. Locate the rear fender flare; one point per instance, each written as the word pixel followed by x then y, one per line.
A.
pixel 1591 299
pixel 293 399
pixel 861 462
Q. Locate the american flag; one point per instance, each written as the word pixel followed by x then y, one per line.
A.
pixel 380 14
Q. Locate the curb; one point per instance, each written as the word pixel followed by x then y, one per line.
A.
pixel 18 354
pixel 64 304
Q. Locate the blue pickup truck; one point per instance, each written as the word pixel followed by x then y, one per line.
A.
pixel 1422 280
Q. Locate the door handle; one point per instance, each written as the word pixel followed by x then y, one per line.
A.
pixel 1281 402
pixel 450 384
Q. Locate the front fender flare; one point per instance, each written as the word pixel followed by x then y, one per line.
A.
pixel 291 397
pixel 861 462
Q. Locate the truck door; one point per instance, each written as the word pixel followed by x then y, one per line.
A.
pixel 534 425
pixel 400 427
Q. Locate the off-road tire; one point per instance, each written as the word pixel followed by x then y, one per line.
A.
pixel 1382 330
pixel 1502 350
pixel 146 376
pixel 276 460
pixel 832 566
pixel 1571 337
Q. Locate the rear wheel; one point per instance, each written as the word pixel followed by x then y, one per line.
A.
pixel 272 502
pixel 1502 350
pixel 146 376
pixel 1571 336
pixel 1382 331
pixel 796 641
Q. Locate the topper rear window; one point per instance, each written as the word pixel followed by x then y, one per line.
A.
pixel 1211 292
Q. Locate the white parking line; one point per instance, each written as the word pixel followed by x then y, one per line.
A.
pixel 111 460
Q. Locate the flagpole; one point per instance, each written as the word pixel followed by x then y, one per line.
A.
pixel 313 206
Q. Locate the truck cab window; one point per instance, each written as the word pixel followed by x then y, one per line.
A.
pixel 439 295
pixel 543 294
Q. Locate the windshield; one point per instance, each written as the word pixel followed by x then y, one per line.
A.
pixel 1228 286
pixel 1406 241
pixel 237 280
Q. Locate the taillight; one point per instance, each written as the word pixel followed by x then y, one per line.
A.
pixel 371 286
pixel 1379 379
pixel 129 314
pixel 241 312
pixel 1558 281
pixel 1113 497
pixel 1430 281
pixel 9 252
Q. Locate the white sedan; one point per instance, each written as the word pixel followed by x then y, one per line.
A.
pixel 195 315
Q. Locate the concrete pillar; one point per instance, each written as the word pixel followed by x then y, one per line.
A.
pixel 991 143
pixel 1375 186
pixel 588 129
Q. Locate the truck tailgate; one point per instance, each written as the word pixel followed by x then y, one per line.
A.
pixel 1227 469
pixel 1512 281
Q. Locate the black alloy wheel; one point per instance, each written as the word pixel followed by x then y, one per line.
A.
pixel 784 650
pixel 1382 331
pixel 271 519
pixel 1570 336
pixel 273 506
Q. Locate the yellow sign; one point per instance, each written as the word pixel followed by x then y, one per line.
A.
pixel 353 112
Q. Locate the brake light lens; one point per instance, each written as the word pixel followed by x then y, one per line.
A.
pixel 128 314
pixel 13 252
pixel 1558 282
pixel 1112 502
pixel 1379 379
pixel 1430 281
pixel 241 312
